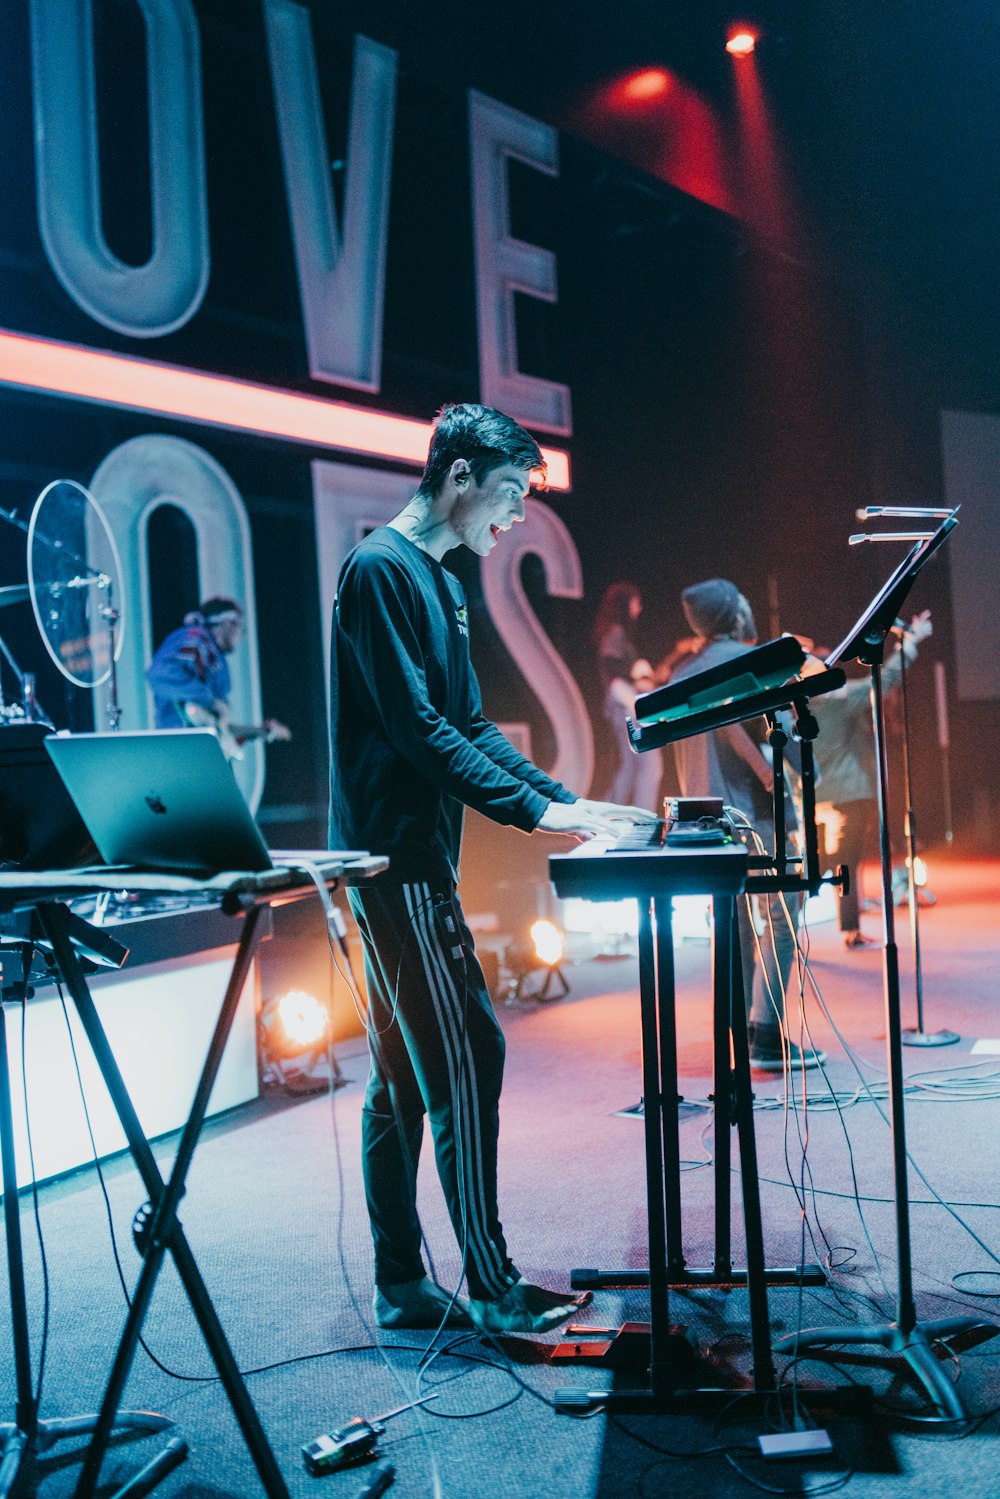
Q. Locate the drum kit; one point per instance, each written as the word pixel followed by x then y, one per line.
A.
pixel 74 589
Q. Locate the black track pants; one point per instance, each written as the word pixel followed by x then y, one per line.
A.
pixel 436 1049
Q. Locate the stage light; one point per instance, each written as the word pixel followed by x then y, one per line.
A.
pixel 548 940
pixel 543 954
pixel 741 42
pixel 293 1037
pixel 303 1019
pixel 901 883
pixel 651 83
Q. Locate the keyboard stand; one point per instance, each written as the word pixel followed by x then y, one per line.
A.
pixel 29 1432
pixel 669 1352
pixel 165 1232
pixel 248 895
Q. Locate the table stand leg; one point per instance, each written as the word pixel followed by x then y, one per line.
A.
pixel 668 1092
pixel 28 1432
pixel 733 1106
pixel 165 1231
pixel 722 1008
pixel 729 978
pixel 659 1307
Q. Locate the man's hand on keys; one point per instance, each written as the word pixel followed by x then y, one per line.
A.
pixel 584 819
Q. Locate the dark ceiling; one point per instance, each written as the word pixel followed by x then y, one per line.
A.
pixel 887 112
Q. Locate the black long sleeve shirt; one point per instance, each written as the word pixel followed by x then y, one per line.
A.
pixel 410 746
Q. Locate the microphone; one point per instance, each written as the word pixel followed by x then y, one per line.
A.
pixel 900 512
pixel 94 580
pixel 861 536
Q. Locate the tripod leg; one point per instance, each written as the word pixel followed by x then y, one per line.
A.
pixel 155 1471
pixel 15 1447
pixel 928 1371
pixel 29 1432
pixel 915 1346
pixel 25 1412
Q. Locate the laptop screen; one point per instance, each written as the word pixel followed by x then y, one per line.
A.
pixel 160 799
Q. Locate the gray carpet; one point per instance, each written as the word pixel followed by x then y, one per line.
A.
pixel 278 1226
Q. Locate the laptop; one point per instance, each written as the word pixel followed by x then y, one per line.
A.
pixel 164 800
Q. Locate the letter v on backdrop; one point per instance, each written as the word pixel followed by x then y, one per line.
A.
pixel 340 257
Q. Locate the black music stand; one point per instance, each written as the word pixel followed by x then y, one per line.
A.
pixel 246 895
pixel 906 1338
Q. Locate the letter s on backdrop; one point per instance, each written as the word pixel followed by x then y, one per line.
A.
pixel 543 534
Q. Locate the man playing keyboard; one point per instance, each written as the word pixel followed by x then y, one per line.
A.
pixel 411 747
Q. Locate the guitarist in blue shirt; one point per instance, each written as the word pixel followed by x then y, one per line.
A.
pixel 190 679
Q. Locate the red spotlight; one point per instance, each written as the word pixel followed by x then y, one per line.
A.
pixel 649 84
pixel 741 42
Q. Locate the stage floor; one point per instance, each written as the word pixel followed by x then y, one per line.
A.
pixel 275 1215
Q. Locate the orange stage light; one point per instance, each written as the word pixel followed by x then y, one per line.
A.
pixel 548 941
pixel 41 364
pixel 651 83
pixel 304 1019
pixel 741 43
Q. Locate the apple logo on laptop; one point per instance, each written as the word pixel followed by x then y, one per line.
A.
pixel 155 804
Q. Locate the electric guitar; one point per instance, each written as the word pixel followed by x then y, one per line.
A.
pixel 233 736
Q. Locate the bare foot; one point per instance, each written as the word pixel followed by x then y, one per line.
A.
pixel 418 1304
pixel 526 1308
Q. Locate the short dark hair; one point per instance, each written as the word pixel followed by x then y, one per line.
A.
pixel 715 610
pixel 485 438
pixel 215 608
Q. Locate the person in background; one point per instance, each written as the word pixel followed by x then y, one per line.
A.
pixel 624 676
pixel 410 748
pixel 733 763
pixel 189 675
pixel 845 756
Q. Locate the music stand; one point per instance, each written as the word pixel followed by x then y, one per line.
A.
pixel 905 1338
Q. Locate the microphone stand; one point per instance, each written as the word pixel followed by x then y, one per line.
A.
pixel 111 615
pixel 915 1036
pixel 905 1338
